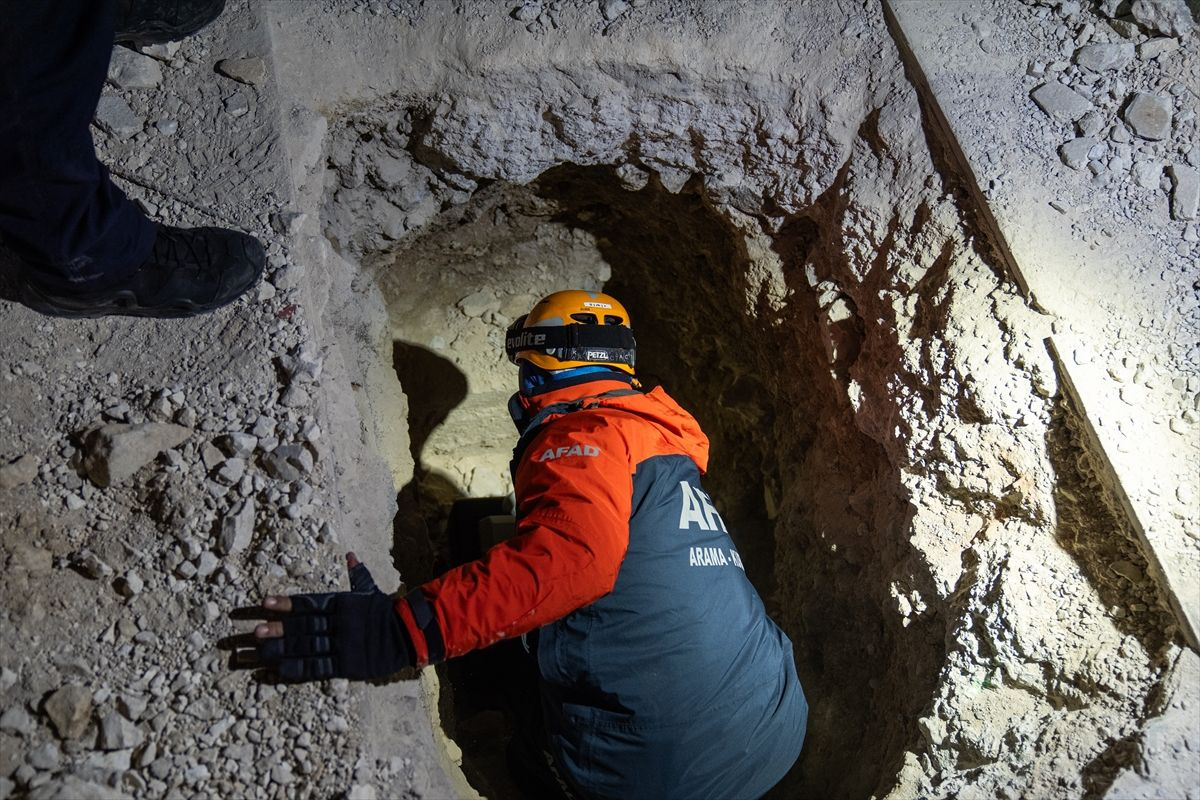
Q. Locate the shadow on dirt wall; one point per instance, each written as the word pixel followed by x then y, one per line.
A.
pixel 786 461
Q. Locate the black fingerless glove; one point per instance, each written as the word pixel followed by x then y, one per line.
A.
pixel 355 634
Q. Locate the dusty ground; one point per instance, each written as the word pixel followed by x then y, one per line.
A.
pixel 809 270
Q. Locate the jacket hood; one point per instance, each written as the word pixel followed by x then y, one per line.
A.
pixel 656 406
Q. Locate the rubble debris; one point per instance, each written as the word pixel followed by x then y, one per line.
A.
pixel 288 462
pixel 91 565
pixel 19 471
pixel 1148 174
pixel 45 757
pixel 231 471
pixel 251 71
pixel 1101 57
pixel 1149 115
pixel 611 9
pixel 237 529
pixel 129 69
pixel 118 733
pixel 16 720
pixel 1185 191
pixel 116 118
pixel 527 12
pixel 115 452
pixel 163 52
pixel 1061 102
pixel 1168 17
pixel 1153 48
pixel 236 445
pixel 69 709
pixel 237 105
pixel 1075 153
pixel 130 584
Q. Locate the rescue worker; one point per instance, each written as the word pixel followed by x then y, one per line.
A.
pixel 661 675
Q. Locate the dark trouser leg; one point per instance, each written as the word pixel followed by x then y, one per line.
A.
pixel 58 208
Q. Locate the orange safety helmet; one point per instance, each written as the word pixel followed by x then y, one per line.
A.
pixel 573 328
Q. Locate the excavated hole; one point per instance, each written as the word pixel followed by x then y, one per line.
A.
pixel 785 451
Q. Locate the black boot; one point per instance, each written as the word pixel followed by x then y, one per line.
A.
pixel 190 271
pixel 143 22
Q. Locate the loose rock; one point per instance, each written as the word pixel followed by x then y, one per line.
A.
pixel 288 462
pixel 237 529
pixel 118 733
pixel 237 105
pixel 1149 115
pixel 69 709
pixel 1060 102
pixel 252 71
pixel 46 756
pixel 116 452
pixel 1100 57
pixel 129 69
pixel 116 118
pixel 16 720
pixel 1185 191
pixel 1169 17
pixel 1075 152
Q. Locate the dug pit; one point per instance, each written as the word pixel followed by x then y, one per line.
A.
pixel 811 283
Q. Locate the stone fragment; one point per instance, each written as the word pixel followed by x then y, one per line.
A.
pixel 133 706
pixel 116 118
pixel 167 127
pixel 210 456
pixel 288 462
pixel 115 452
pixel 302 364
pixel 19 471
pixel 45 757
pixel 129 69
pixel 237 445
pixel 611 9
pixel 1061 103
pixel 74 502
pixel 1127 570
pixel 1101 57
pixel 527 12
pixel 252 71
pixel 130 584
pixel 1168 17
pixel 1149 115
pixel 16 720
pixel 91 565
pixel 69 709
pixel 1075 152
pixel 162 52
pixel 1153 48
pixel 118 733
pixel 1091 123
pixel 237 529
pixel 231 471
pixel 1185 191
pixel 206 564
pixel 236 105
pixel 294 396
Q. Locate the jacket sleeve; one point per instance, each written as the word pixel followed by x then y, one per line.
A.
pixel 574 489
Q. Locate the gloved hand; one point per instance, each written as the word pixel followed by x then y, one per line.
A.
pixel 355 634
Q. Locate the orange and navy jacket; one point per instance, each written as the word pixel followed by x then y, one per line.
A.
pixel 661 673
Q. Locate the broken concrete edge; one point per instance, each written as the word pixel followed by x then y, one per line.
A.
pixel 935 115
pixel 1187 618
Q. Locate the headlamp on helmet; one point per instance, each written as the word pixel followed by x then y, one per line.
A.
pixel 571 329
